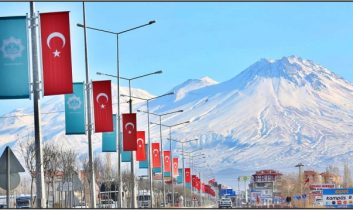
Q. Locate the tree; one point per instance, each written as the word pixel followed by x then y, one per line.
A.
pixel 51 164
pixel 68 165
pixel 28 152
pixel 347 178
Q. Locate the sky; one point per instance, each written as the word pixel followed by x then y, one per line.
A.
pixel 193 40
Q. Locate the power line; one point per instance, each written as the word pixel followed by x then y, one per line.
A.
pixel 26 115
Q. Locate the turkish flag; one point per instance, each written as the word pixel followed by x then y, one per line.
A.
pixel 56 53
pixel 156 156
pixel 129 132
pixel 187 175
pixel 102 102
pixel 166 161
pixel 194 180
pixel 141 147
pixel 175 167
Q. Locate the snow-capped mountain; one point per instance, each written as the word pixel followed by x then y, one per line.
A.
pixel 274 114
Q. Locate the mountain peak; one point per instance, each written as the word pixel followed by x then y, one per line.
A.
pixel 191 85
pixel 292 68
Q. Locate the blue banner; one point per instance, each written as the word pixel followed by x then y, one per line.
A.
pixel 188 185
pixel 144 164
pixel 14 64
pixel 180 177
pixel 156 170
pixel 125 155
pixel 109 139
pixel 166 174
pixel 75 122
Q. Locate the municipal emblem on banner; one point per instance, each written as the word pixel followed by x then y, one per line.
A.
pixel 74 103
pixel 12 48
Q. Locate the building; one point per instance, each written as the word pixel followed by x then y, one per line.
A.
pixel 265 187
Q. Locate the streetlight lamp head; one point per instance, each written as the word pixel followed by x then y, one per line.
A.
pixel 80 25
pixel 151 22
pixel 98 73
pixel 158 72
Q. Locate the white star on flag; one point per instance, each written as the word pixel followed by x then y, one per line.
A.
pixel 56 53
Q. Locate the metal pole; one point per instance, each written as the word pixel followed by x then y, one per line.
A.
pixel 89 123
pixel 120 200
pixel 133 197
pixel 8 178
pixel 192 188
pixel 200 189
pixel 182 152
pixel 162 154
pixel 171 163
pixel 40 198
pixel 150 156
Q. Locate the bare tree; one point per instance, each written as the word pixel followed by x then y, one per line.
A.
pixel 347 178
pixel 68 165
pixel 127 184
pixel 51 163
pixel 28 152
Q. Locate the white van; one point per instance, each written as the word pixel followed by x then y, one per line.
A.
pixel 143 199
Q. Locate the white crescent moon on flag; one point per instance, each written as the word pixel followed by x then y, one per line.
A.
pixel 129 124
pixel 175 165
pixel 155 152
pixel 166 158
pixel 56 34
pixel 140 140
pixel 102 95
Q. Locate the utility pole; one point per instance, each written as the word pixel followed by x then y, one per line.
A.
pixel 40 198
pixel 89 126
pixel 300 180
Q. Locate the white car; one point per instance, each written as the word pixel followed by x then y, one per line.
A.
pixel 225 203
pixel 107 204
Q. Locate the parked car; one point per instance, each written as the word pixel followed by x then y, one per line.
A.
pixel 81 206
pixel 225 203
pixel 107 204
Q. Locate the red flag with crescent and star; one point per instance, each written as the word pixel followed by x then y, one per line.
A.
pixel 187 175
pixel 56 53
pixel 141 147
pixel 102 102
pixel 194 180
pixel 166 156
pixel 175 167
pixel 129 132
pixel 156 156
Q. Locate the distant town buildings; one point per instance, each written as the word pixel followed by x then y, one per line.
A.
pixel 265 187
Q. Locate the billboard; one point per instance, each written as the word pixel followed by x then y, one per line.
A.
pixel 339 197
pixel 321 186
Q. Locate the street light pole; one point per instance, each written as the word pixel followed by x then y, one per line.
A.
pixel 118 91
pixel 40 199
pixel 171 154
pixel 132 168
pixel 161 142
pixel 182 153
pixel 300 165
pixel 89 126
pixel 149 141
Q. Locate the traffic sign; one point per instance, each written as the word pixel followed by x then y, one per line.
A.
pixel 14 181
pixel 15 165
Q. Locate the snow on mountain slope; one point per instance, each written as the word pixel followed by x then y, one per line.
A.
pixel 274 114
pixel 13 130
